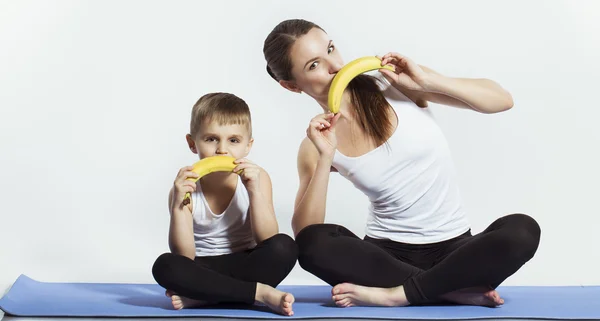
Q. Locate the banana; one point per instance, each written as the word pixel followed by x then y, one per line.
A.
pixel 208 165
pixel 346 74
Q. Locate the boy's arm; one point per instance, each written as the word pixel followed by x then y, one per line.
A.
pixel 261 211
pixel 181 233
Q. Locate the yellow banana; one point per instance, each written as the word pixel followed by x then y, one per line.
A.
pixel 208 165
pixel 346 74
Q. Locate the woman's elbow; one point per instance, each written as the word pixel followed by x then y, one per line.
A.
pixel 505 101
pixel 509 103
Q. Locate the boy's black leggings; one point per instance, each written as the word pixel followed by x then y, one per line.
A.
pixel 230 278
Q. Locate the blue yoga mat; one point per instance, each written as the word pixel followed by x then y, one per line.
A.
pixel 31 298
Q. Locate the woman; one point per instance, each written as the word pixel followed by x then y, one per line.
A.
pixel 418 247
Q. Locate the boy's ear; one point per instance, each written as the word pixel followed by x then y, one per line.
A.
pixel 191 143
pixel 249 146
pixel 290 85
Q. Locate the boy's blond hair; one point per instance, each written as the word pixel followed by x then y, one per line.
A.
pixel 224 108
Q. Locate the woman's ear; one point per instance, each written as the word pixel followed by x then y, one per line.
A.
pixel 290 85
pixel 191 143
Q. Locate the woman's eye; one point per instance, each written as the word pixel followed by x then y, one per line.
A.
pixel 313 65
pixel 330 49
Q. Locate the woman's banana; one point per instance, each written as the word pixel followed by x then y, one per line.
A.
pixel 346 74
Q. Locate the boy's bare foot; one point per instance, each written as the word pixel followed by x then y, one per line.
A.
pixel 180 302
pixel 348 294
pixel 475 296
pixel 276 300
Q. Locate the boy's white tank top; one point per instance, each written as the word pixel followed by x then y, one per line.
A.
pixel 410 182
pixel 222 233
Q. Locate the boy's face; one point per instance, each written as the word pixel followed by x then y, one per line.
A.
pixel 221 140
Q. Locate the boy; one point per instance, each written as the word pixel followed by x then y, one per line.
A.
pixel 225 245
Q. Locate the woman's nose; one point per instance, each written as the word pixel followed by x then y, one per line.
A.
pixel 335 66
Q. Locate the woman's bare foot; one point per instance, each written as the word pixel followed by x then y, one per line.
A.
pixel 475 296
pixel 348 294
pixel 276 300
pixel 180 302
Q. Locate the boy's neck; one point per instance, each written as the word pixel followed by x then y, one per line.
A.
pixel 218 181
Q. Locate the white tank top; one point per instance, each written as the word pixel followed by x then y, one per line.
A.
pixel 222 233
pixel 411 182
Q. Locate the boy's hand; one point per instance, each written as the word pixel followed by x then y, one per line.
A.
pixel 250 174
pixel 182 185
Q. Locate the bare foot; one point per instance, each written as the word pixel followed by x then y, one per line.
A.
pixel 475 296
pixel 280 302
pixel 180 302
pixel 348 294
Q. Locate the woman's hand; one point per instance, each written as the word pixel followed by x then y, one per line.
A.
pixel 407 73
pixel 321 131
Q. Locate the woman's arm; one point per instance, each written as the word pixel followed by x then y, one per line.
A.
pixel 482 95
pixel 313 172
pixel 423 84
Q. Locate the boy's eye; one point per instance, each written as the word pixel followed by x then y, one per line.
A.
pixel 210 139
pixel 330 49
pixel 313 65
pixel 234 140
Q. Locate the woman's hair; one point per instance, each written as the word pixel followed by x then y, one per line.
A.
pixel 370 106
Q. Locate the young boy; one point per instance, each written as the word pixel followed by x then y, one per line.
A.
pixel 225 245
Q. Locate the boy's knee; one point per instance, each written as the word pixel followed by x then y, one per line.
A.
pixel 283 247
pixel 162 267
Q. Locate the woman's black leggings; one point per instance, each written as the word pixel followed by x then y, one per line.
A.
pixel 229 278
pixel 427 271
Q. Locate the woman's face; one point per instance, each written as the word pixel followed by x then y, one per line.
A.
pixel 315 61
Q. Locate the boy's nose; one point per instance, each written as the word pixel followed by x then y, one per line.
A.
pixel 221 150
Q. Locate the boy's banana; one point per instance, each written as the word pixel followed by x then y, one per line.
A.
pixel 346 74
pixel 208 165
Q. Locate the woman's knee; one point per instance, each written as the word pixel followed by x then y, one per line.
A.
pixel 312 244
pixel 524 235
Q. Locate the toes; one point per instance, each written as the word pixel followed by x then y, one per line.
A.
pixel 340 296
pixel 286 304
pixel 342 288
pixel 288 311
pixel 288 297
pixel 343 303
pixel 177 305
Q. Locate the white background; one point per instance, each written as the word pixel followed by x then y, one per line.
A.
pixel 95 100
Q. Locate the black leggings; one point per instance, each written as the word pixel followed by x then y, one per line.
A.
pixel 229 278
pixel 427 271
